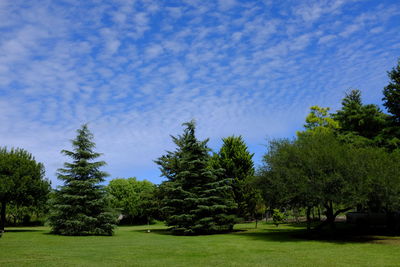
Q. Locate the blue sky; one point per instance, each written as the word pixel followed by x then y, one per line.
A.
pixel 136 70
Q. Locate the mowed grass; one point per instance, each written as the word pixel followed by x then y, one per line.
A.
pixel 133 246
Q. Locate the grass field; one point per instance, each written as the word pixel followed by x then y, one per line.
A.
pixel 266 246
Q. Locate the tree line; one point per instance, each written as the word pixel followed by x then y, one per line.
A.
pixel 341 161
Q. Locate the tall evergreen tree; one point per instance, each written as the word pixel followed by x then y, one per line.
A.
pixel 391 100
pixel 237 163
pixel 196 198
pixel 391 92
pixel 80 206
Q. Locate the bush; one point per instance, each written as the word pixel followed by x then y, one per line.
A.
pixel 278 217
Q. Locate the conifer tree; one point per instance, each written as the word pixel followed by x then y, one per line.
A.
pixel 196 197
pixel 237 163
pixel 391 100
pixel 79 206
pixel 391 92
pixel 358 123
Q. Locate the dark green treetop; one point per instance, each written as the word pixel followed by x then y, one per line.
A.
pixel 391 92
pixel 358 123
pixel 391 100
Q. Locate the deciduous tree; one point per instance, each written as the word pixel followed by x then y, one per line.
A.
pixel 313 170
pixel 135 199
pixel 22 180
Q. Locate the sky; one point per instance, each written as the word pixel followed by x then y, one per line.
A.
pixel 136 70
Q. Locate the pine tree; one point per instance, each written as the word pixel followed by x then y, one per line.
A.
pixel 79 206
pixel 196 199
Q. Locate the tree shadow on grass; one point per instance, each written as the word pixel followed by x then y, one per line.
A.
pixel 340 236
pixel 169 232
pixel 344 234
pixel 22 230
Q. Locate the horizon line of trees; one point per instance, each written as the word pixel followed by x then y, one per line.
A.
pixel 341 161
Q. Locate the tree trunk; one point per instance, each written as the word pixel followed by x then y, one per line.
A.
pixel 313 214
pixel 308 219
pixel 3 216
pixel 319 214
pixel 330 216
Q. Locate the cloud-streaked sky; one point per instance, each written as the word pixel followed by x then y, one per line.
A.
pixel 136 70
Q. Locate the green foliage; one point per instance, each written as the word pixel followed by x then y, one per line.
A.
pixel 360 124
pixel 197 199
pixel 22 180
pixel 381 173
pixel 237 164
pixel 390 136
pixel 80 207
pixel 391 92
pixel 319 170
pixel 27 215
pixel 278 217
pixel 319 120
pixel 135 199
pixel 312 170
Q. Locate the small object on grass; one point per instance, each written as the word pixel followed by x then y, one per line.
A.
pixel 148 230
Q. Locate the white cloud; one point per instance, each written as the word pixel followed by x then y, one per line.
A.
pixel 154 51
pixel 226 4
pixel 326 38
pixel 376 30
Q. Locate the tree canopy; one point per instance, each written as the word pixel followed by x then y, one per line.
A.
pixel 319 170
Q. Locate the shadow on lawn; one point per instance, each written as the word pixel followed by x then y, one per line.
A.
pixel 342 235
pixel 22 230
pixel 168 232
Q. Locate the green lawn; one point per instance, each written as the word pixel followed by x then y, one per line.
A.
pixel 266 246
